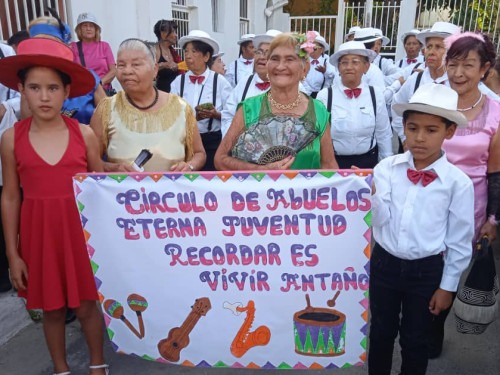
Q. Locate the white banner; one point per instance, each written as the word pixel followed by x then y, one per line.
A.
pixel 232 270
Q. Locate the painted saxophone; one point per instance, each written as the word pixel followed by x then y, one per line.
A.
pixel 244 339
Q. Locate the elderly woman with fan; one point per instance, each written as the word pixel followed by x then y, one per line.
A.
pixel 282 128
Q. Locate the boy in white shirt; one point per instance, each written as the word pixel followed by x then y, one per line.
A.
pixel 423 225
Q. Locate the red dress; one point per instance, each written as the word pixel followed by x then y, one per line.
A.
pixel 51 239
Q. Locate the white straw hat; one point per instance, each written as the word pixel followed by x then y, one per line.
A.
pixel 200 36
pixel 412 32
pixel 434 99
pixel 352 30
pixel 265 38
pixel 370 34
pixel 438 30
pixel 86 17
pixel 319 39
pixel 246 38
pixel 352 48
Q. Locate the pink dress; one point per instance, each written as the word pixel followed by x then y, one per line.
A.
pixel 469 150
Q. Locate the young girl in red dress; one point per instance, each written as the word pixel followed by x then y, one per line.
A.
pixel 47 254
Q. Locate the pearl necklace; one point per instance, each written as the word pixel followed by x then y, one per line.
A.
pixel 473 106
pixel 146 107
pixel 283 107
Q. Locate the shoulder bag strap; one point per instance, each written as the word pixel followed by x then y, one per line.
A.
pixel 183 80
pixel 380 63
pixel 417 82
pixel 247 86
pixel 374 103
pixel 214 99
pixel 80 52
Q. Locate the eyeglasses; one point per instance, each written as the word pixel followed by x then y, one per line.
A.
pixel 317 48
pixel 260 52
pixel 346 63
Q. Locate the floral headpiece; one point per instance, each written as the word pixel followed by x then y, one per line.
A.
pixel 305 43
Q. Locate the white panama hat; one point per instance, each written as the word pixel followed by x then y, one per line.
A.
pixel 352 30
pixel 246 38
pixel 370 34
pixel 412 32
pixel 352 48
pixel 265 38
pixel 319 39
pixel 438 30
pixel 200 36
pixel 220 54
pixel 86 17
pixel 434 99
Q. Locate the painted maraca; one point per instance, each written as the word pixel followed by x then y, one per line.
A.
pixel 138 304
pixel 115 310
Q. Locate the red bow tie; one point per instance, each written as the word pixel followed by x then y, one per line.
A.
pixel 248 62
pixel 411 61
pixel 314 62
pixel 426 176
pixel 352 92
pixel 197 79
pixel 263 85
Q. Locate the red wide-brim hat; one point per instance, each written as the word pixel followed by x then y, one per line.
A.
pixel 50 54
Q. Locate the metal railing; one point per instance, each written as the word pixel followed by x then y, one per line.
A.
pixel 180 15
pixel 15 15
pixel 244 26
pixel 324 25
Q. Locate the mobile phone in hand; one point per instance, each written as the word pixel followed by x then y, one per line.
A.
pixel 141 160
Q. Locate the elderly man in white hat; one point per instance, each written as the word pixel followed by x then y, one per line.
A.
pixel 434 70
pixel 321 73
pixel 204 90
pixel 360 127
pixel 242 67
pixel 255 84
pixel 374 39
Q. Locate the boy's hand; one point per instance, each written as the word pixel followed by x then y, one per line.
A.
pixel 440 301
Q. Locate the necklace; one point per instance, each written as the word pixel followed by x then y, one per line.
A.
pixel 146 107
pixel 472 107
pixel 280 106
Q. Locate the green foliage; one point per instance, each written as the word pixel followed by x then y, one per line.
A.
pixel 479 15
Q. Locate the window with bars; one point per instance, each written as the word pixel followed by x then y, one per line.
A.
pixel 216 16
pixel 15 15
pixel 180 2
pixel 244 20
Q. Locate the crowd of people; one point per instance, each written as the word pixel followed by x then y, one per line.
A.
pixel 441 102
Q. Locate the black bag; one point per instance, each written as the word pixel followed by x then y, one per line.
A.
pixel 477 299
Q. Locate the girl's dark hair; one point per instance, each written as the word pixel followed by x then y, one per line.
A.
pixel 18 37
pixel 202 47
pixel 496 66
pixel 243 45
pixel 167 26
pixel 369 45
pixel 461 48
pixel 408 113
pixel 22 74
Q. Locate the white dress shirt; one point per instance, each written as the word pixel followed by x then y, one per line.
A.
pixel 403 63
pixel 236 97
pixel 237 71
pixel 406 92
pixel 411 221
pixel 6 94
pixel 196 94
pixel 390 70
pixel 354 124
pixel 315 80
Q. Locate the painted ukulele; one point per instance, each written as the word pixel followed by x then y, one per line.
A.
pixel 244 339
pixel 178 337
